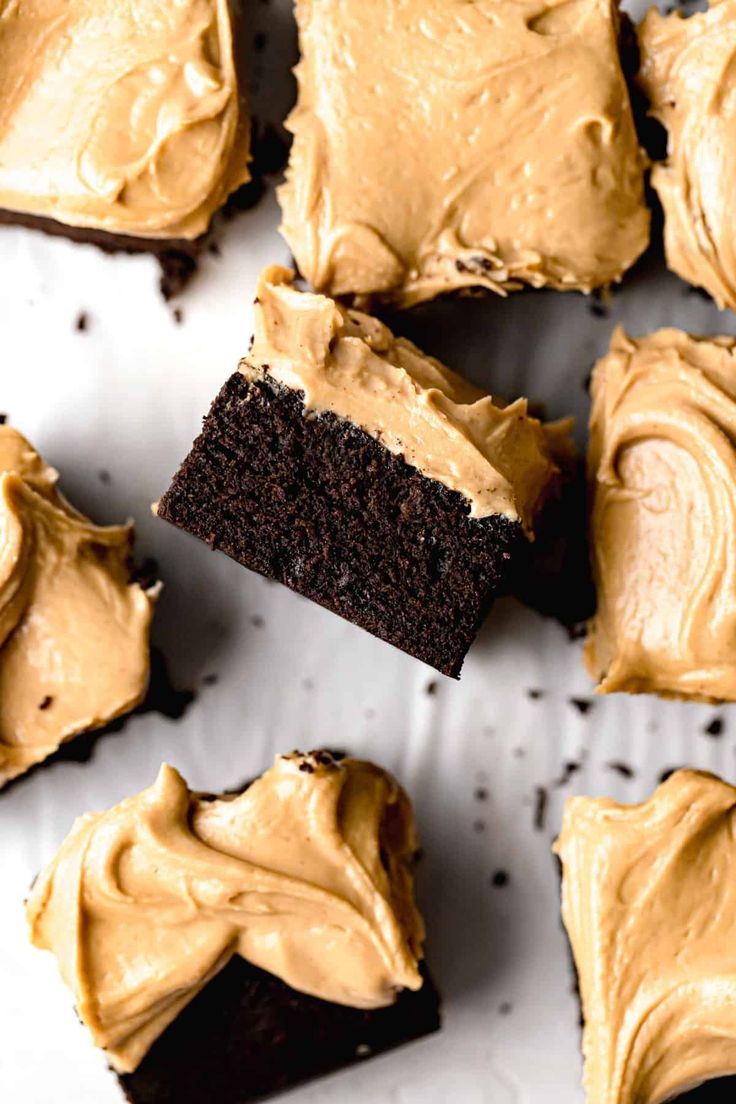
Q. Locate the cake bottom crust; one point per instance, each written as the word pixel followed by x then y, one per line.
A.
pixel 248 1036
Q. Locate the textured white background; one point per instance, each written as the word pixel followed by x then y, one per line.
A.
pixel 127 396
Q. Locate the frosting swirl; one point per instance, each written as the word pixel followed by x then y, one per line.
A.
pixel 688 73
pixel 649 905
pixel 441 145
pixel 124 117
pixel 73 627
pixel 662 461
pixel 305 874
pixel 499 458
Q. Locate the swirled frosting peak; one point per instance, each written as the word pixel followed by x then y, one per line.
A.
pixel 662 462
pixel 502 460
pixel 442 145
pixel 73 627
pixel 649 903
pixel 120 116
pixel 305 874
pixel 688 73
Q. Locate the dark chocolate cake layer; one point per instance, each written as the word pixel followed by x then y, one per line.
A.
pixel 320 505
pixel 248 1036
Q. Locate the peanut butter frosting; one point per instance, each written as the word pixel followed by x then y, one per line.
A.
pixel 442 145
pixel 305 874
pixel 499 458
pixel 649 903
pixel 73 627
pixel 123 117
pixel 688 73
pixel 662 463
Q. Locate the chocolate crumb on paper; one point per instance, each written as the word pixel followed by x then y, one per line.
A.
pixel 541 798
pixel 583 705
pixel 570 768
pixel 82 323
pixel 714 727
pixel 620 768
pixel 500 879
pixel 431 688
pixel 535 694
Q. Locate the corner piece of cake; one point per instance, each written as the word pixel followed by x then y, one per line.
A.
pixel 230 948
pixel 343 462
pixel 686 74
pixel 74 624
pixel 441 146
pixel 662 466
pixel 649 904
pixel 121 124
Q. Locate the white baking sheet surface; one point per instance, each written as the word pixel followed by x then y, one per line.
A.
pixel 127 397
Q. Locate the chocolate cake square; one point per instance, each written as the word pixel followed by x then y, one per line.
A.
pixel 662 469
pixel 229 948
pixel 348 465
pixel 123 125
pixel 441 146
pixel 648 905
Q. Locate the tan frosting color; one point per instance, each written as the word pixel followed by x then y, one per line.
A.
pixel 73 628
pixel 442 144
pixel 688 74
pixel 124 117
pixel 143 904
pixel 662 462
pixel 649 903
pixel 501 459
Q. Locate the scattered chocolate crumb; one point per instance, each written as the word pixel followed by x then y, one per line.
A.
pixel 177 269
pixel 479 826
pixel 104 476
pixel 82 323
pixel 306 767
pixel 620 768
pixel 259 42
pixel 46 702
pixel 540 807
pixel 714 727
pixel 535 694
pixel 667 774
pixel 3 419
pixel 481 794
pixel 583 705
pixel 500 879
pixel 178 315
pixel 505 1009
pixel 598 309
pixel 431 688
pixel 570 768
pixel 257 621
pixel 211 680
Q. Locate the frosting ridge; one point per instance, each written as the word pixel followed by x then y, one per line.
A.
pixel 122 117
pixel 426 135
pixel 648 904
pixel 346 362
pixel 73 627
pixel 662 462
pixel 305 874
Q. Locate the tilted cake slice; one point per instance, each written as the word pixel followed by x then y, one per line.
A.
pixel 355 469
pixel 229 948
pixel 649 904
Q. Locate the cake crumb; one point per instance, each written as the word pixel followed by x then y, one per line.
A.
pixel 620 768
pixel 104 476
pixel 178 315
pixel 714 727
pixel 480 793
pixel 535 694
pixel 46 702
pixel 500 879
pixel 583 705
pixel 570 768
pixel 257 621
pixel 82 323
pixel 431 688
pixel 540 807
